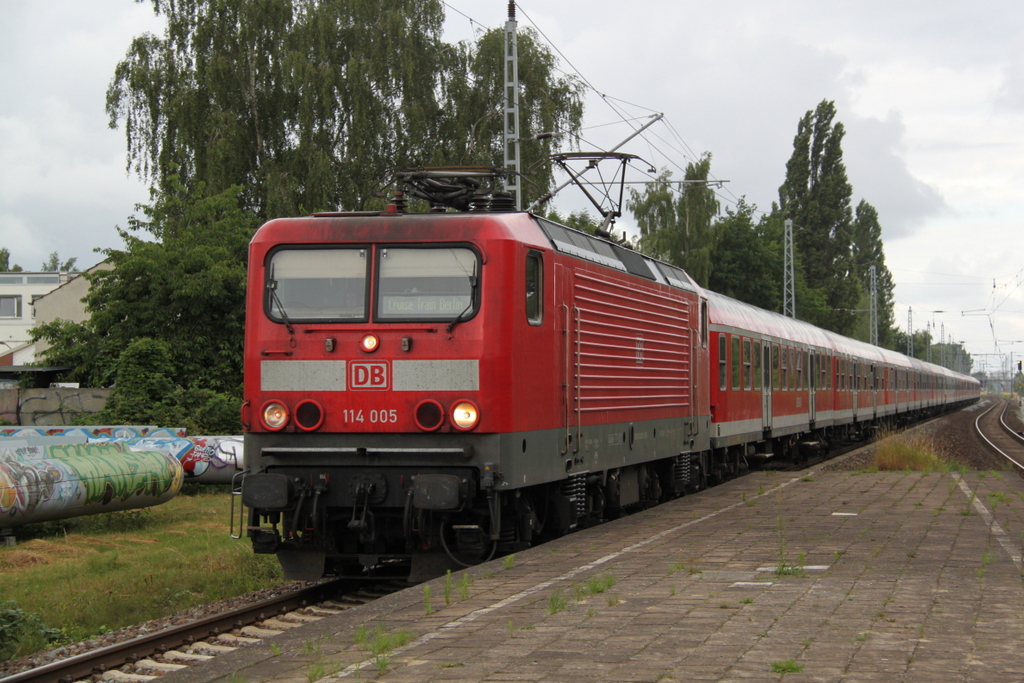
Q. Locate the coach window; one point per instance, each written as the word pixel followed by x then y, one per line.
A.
pixel 757 365
pixel 722 367
pixel 792 369
pixel 784 368
pixel 735 362
pixel 534 289
pixel 746 364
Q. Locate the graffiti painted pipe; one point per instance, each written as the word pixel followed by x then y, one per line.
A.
pixel 44 483
pixel 204 459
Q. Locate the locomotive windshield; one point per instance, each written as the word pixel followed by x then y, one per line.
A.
pixel 426 283
pixel 305 285
pixel 330 284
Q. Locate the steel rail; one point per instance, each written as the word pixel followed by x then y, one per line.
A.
pixel 101 660
pixel 1007 428
pixel 997 449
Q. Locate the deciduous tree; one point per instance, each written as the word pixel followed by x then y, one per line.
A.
pixel 54 265
pixel 677 220
pixel 185 290
pixel 748 258
pixel 5 262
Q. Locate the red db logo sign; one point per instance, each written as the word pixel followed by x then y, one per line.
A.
pixel 368 376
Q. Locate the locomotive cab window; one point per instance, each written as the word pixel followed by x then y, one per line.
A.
pixel 430 283
pixel 306 285
pixel 534 289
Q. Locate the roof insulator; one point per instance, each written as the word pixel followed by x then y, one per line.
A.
pixel 502 201
pixel 398 203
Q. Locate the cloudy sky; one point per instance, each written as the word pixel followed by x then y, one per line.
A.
pixel 931 95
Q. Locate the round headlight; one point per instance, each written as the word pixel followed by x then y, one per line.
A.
pixel 429 415
pixel 369 343
pixel 465 415
pixel 309 415
pixel 275 416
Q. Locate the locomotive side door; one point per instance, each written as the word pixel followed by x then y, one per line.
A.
pixel 766 384
pixel 568 325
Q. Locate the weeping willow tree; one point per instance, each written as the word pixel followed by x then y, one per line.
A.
pixel 310 105
pixel 473 80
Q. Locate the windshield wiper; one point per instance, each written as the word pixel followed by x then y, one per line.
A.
pixel 469 306
pixel 272 288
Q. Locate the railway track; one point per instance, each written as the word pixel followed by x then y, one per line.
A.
pixel 149 656
pixel 993 428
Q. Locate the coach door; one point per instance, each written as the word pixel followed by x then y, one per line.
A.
pixel 568 316
pixel 812 384
pixel 766 384
pixel 854 386
pixel 874 391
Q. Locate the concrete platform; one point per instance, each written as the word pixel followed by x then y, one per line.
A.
pixel 819 576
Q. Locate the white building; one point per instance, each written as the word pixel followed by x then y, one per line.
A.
pixel 30 299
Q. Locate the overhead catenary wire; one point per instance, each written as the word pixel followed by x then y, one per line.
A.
pixel 618 106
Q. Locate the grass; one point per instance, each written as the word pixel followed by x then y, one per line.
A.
pixel 383 641
pixel 557 601
pixel 786 666
pixel 123 568
pixel 915 452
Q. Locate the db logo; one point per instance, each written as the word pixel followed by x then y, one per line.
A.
pixel 368 376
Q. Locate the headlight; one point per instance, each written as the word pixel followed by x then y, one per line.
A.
pixel 369 343
pixel 465 415
pixel 275 416
pixel 309 415
pixel 429 415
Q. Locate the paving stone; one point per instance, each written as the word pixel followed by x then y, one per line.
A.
pixel 908 592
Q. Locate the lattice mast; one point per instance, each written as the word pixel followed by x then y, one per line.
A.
pixel 874 306
pixel 788 288
pixel 512 108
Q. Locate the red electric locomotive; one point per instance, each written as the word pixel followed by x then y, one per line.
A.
pixel 433 389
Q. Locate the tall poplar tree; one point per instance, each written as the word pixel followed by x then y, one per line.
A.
pixel 677 222
pixel 816 195
pixel 867 251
